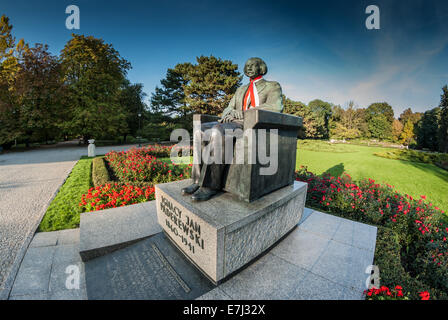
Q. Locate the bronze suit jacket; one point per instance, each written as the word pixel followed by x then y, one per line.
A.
pixel 269 94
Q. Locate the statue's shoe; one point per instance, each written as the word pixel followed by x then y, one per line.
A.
pixel 190 189
pixel 203 194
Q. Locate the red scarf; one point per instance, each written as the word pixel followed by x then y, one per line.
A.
pixel 250 91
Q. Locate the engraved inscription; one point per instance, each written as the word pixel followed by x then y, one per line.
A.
pixel 182 225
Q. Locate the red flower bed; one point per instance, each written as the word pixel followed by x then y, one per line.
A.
pixel 137 171
pixel 420 226
pixel 141 166
pixel 384 293
pixel 115 195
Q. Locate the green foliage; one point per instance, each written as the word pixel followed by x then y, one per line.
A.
pixel 131 98
pixel 94 72
pixel 64 211
pixel 211 84
pixel 380 108
pixel 169 99
pixel 100 174
pixel 300 109
pixel 443 122
pixel 420 231
pixel 322 112
pixel 428 130
pixel 379 127
pixel 40 92
pixel 438 159
pixel 346 124
pixel 388 259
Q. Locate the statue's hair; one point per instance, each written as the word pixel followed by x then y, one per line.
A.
pixel 262 64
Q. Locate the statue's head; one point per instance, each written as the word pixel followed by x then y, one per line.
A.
pixel 255 67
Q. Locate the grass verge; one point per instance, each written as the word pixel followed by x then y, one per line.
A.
pixel 64 211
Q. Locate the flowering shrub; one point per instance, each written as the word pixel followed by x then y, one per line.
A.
pixel 384 293
pixel 115 195
pixel 137 170
pixel 142 167
pixel 420 227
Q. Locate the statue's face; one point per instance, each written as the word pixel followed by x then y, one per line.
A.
pixel 253 69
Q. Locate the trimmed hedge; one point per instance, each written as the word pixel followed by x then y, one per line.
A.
pixel 418 245
pixel 387 258
pixel 438 159
pixel 100 174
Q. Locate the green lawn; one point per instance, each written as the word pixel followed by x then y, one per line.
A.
pixel 413 178
pixel 64 211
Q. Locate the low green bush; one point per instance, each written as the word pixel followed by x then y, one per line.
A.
pixel 438 159
pixel 100 174
pixel 420 230
pixel 388 259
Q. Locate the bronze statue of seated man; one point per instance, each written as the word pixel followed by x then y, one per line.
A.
pixel 259 93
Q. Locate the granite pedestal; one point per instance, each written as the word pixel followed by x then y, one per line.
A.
pixel 223 234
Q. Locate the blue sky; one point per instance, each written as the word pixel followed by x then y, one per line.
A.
pixel 315 49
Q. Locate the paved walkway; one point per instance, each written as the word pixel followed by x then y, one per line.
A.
pixel 28 182
pixel 324 258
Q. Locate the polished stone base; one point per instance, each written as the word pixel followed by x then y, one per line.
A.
pixel 223 234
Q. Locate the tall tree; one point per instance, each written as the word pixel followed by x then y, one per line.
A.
pixel 380 117
pixel 443 124
pixel 407 136
pixel 300 109
pixel 169 98
pixel 10 57
pixel 94 72
pixel 322 113
pixel 380 127
pixel 212 83
pixel 346 123
pixel 131 99
pixel 397 129
pixel 407 114
pixel 40 93
pixel 428 130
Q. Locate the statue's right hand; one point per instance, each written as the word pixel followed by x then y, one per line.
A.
pixel 227 118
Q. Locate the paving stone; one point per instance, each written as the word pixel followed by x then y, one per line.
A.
pixel 31 281
pixel 315 287
pixel 350 294
pixel 60 274
pixel 306 213
pixel 344 265
pixel 215 294
pixel 269 278
pixel 44 239
pixel 66 254
pixel 301 248
pixel 70 236
pixel 356 234
pixel 321 223
pixel 73 294
pixel 40 296
pixel 38 257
